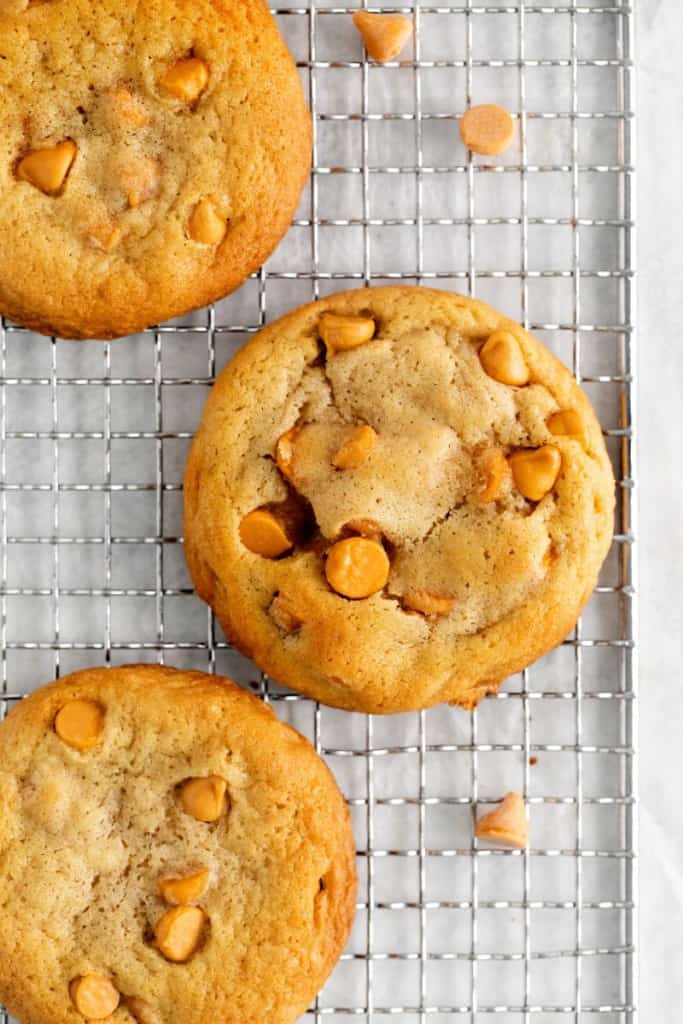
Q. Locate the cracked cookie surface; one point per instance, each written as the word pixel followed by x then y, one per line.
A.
pixel 151 157
pixel 170 853
pixel 454 492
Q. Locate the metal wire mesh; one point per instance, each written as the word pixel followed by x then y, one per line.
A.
pixel 92 445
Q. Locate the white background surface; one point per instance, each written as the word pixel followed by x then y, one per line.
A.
pixel 660 157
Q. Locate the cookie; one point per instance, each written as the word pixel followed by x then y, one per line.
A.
pixel 170 853
pixel 151 157
pixel 396 497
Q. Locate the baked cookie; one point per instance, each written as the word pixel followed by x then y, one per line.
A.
pixel 396 497
pixel 151 157
pixel 170 853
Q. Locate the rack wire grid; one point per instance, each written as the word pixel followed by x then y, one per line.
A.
pixel 92 444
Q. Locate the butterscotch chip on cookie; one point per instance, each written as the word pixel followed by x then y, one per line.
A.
pixel 453 482
pixel 170 853
pixel 151 157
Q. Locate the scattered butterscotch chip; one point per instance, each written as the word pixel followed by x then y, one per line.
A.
pixel 384 35
pixel 263 534
pixel 356 448
pixel 501 358
pixel 284 451
pixel 506 824
pixel 185 889
pixel 141 1011
pixel 285 613
pixel 80 723
pixel 357 567
pixel 206 224
pixel 535 470
pixel 493 467
pixel 47 169
pixel 487 129
pixel 104 235
pixel 186 79
pixel 94 996
pixel 179 932
pixel 341 333
pixel 140 179
pixel 427 602
pixel 567 422
pixel 533 760
pixel 122 107
pixel 204 798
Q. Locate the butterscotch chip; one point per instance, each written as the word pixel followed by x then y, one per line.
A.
pixel 501 357
pixel 567 422
pixel 264 534
pixel 356 448
pixel 184 122
pixel 493 468
pixel 427 603
pixel 48 168
pixel 535 470
pixel 185 889
pixel 206 224
pixel 179 932
pixel 93 847
pixel 435 512
pixel 186 79
pixel 284 452
pixel 384 35
pixel 80 723
pixel 205 799
pixel 506 824
pixel 357 567
pixel 487 129
pixel 341 333
pixel 94 996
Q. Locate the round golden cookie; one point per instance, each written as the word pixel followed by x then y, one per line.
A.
pixel 190 860
pixel 151 157
pixel 441 485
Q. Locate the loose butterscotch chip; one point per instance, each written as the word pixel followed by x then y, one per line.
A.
pixel 206 224
pixel 357 567
pixel 535 470
pixel 263 534
pixel 186 79
pixel 179 932
pixel 487 129
pixel 428 603
pixel 502 358
pixel 80 723
pixel 493 468
pixel 567 422
pixel 284 451
pixel 185 889
pixel 94 996
pixel 341 333
pixel 384 35
pixel 204 798
pixel 47 169
pixel 356 448
pixel 506 824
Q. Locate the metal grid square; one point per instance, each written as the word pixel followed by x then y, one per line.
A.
pixel 92 445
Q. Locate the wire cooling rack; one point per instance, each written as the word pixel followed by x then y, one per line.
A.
pixel 93 440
